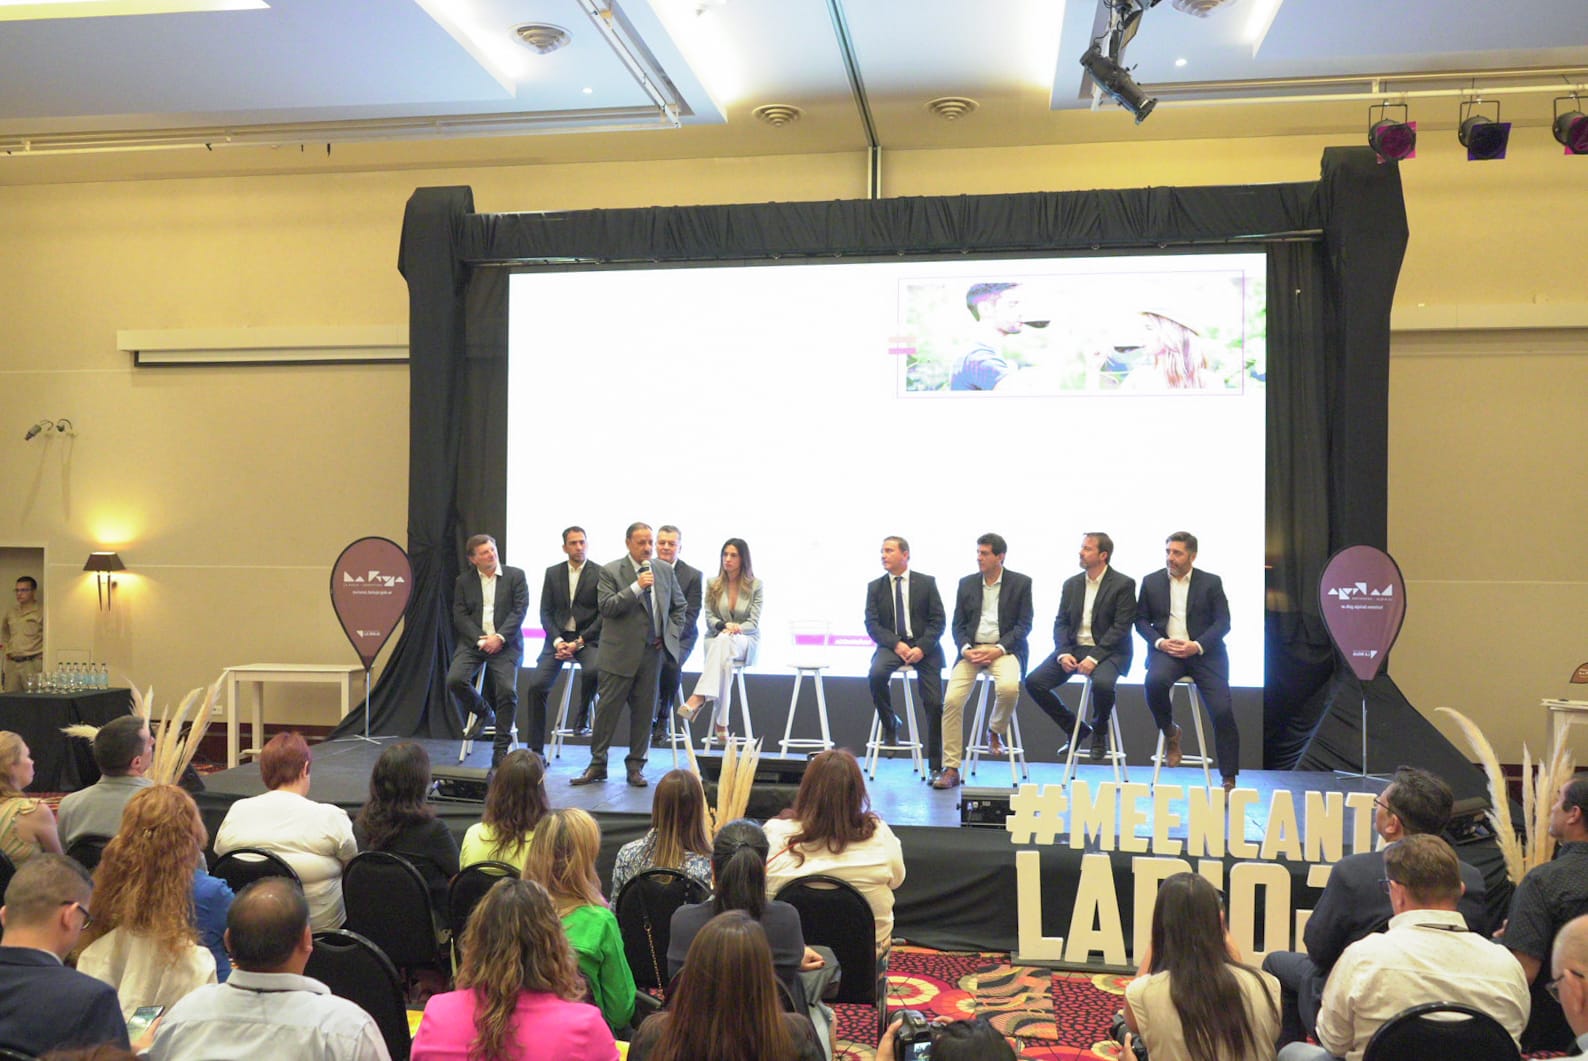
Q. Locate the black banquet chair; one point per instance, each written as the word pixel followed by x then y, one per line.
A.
pixel 241 867
pixel 357 970
pixel 1444 1030
pixel 834 915
pixel 465 893
pixel 88 850
pixel 644 909
pixel 388 902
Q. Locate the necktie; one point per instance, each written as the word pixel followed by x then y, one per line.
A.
pixel 899 618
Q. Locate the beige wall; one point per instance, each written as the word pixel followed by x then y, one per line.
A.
pixel 230 490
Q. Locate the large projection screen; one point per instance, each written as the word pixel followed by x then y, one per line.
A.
pixel 813 409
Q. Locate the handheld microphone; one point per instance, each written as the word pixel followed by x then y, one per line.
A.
pixel 645 565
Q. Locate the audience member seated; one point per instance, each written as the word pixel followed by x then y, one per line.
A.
pixel 43 1004
pixel 399 820
pixel 123 750
pixel 515 803
pixel 315 839
pixel 832 830
pixel 954 1040
pixel 726 1005
pixel 161 922
pixel 1353 903
pixel 677 836
pixel 267 1008
pixel 27 826
pixel 1426 955
pixel 562 860
pixel 519 993
pixel 1193 999
pixel 1548 897
pixel 1569 977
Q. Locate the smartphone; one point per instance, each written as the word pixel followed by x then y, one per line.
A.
pixel 141 1018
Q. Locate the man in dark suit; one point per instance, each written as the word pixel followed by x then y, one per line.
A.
pixel 669 541
pixel 642 618
pixel 572 622
pixel 1183 616
pixel 492 638
pixel 1091 637
pixel 904 616
pixel 1354 904
pixel 992 618
pixel 43 1004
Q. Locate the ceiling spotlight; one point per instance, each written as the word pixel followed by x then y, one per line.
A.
pixel 951 108
pixel 541 37
pixel 1391 140
pixel 1117 82
pixel 1571 127
pixel 777 114
pixel 1485 138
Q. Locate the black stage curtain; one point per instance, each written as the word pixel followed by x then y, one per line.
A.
pixel 1328 361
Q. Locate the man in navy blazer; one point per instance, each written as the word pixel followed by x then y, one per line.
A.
pixel 572 622
pixel 491 638
pixel 992 618
pixel 669 540
pixel 43 1004
pixel 1091 637
pixel 904 616
pixel 1183 616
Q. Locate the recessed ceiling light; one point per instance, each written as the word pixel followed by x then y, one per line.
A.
pixel 951 108
pixel 1179 62
pixel 587 90
pixel 542 37
pixel 778 114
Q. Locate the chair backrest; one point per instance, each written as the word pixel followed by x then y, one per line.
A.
pixel 356 969
pixel 468 888
pixel 88 850
pixel 241 867
pixel 644 909
pixel 833 914
pixel 388 902
pixel 1444 1030
pixel 811 642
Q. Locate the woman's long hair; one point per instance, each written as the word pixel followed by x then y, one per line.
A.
pixel 516 801
pixel 678 814
pixel 513 943
pixel 144 882
pixel 1178 358
pixel 719 585
pixel 831 806
pixel 738 868
pixel 726 1004
pixel 11 747
pixel 1188 943
pixel 397 789
pixel 563 859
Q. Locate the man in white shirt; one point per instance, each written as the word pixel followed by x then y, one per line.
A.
pixel 268 1008
pixel 123 750
pixel 489 603
pixel 1569 973
pixel 1426 955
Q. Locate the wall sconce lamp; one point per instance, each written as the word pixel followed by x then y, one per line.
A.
pixel 102 564
pixel 62 426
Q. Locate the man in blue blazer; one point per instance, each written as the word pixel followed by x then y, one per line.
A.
pixel 1183 616
pixel 904 616
pixel 992 618
pixel 492 638
pixel 572 621
pixel 1091 638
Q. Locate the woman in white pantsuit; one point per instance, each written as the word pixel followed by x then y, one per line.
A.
pixel 733 620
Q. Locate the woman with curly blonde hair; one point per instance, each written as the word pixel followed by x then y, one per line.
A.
pixel 27 826
pixel 519 989
pixel 151 894
pixel 563 861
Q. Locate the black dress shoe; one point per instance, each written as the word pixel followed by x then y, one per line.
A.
pixel 1099 749
pixel 591 775
pixel 637 778
pixel 584 731
pixel 480 722
pixel 658 738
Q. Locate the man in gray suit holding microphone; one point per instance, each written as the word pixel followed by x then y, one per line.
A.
pixel 642 615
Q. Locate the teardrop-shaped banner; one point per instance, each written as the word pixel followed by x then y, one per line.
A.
pixel 370 585
pixel 1363 599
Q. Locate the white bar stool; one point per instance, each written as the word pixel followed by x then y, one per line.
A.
pixel 560 729
pixel 1201 758
pixel 874 745
pixel 1014 746
pixel 736 681
pixel 809 659
pixel 1116 744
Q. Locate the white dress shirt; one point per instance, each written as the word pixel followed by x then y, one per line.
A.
pixel 254 1015
pixel 488 602
pixel 1083 633
pixel 987 628
pixel 904 620
pixel 315 839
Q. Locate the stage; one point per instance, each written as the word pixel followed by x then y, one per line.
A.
pixel 960 890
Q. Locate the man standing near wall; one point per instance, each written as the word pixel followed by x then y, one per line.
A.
pixel 22 636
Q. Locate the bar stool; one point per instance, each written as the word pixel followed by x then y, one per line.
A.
pixel 809 659
pixel 736 680
pixel 467 747
pixel 1014 746
pixel 560 729
pixel 1201 758
pixel 874 745
pixel 1116 744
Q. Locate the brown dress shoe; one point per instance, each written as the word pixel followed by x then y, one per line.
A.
pixel 1229 783
pixel 1171 749
pixel 591 775
pixel 995 744
pixel 949 778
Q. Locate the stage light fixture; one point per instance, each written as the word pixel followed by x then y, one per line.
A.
pixel 1116 81
pixel 1391 140
pixel 1485 138
pixel 1571 127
